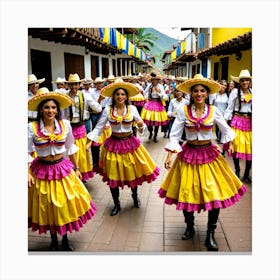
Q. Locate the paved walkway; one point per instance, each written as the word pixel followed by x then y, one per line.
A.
pixel 154 227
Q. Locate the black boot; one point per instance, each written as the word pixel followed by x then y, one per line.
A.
pixel 156 133
pixel 210 241
pixel 54 243
pixel 150 128
pixel 189 220
pixel 65 243
pixel 236 166
pixel 115 194
pixel 134 195
pixel 246 177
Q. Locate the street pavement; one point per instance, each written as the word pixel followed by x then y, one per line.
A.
pixel 153 228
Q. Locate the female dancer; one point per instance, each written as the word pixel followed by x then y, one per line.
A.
pixel 240 106
pixel 153 113
pixel 123 160
pixel 57 199
pixel 200 178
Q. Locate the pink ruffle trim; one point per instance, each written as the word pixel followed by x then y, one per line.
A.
pixel 51 172
pixel 79 131
pixel 134 183
pixel 70 227
pixel 87 175
pixel 122 146
pixel 204 206
pixel 154 106
pixel 243 124
pixel 138 103
pixel 243 156
pixel 155 123
pixel 198 155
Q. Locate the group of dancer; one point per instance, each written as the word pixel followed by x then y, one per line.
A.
pixel 61 155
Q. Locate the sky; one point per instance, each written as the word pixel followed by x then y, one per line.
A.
pixel 174 32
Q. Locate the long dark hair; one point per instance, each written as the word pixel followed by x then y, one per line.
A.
pixel 127 101
pixel 239 95
pixel 207 89
pixel 40 106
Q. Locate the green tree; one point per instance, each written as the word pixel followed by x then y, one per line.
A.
pixel 143 40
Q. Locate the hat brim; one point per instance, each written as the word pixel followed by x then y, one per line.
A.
pixel 64 100
pixel 237 79
pixel 39 81
pixel 129 87
pixel 187 85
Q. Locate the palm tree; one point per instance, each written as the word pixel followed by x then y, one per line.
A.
pixel 141 40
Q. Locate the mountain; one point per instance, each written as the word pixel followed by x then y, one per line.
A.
pixel 164 43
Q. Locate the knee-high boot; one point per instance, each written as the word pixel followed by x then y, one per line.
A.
pixel 54 243
pixel 150 128
pixel 65 243
pixel 248 166
pixel 156 132
pixel 189 220
pixel 236 166
pixel 134 195
pixel 115 194
pixel 210 241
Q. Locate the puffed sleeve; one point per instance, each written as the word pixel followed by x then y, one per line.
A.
pixel 135 113
pixel 227 133
pixel 176 132
pixel 70 145
pixel 96 132
pixel 30 142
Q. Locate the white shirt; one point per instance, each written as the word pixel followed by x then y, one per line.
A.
pixel 220 101
pixel 181 120
pixel 233 105
pixel 95 93
pixel 125 126
pixel 88 103
pixel 154 94
pixel 69 147
pixel 174 106
pixel 31 114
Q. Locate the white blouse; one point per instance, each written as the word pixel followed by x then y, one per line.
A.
pixel 174 106
pixel 182 120
pixel 233 105
pixel 155 94
pixel 68 147
pixel 117 126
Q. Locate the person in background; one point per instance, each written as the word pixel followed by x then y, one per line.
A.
pixel 200 178
pixel 153 113
pixel 60 85
pixel 123 160
pixel 220 100
pixel 87 89
pixel 77 114
pixel 239 111
pixel 176 102
pixel 57 199
pixel 33 86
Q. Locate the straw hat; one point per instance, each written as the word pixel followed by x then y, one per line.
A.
pixel 44 94
pixel 59 81
pixel 111 78
pixel 119 83
pixel 243 74
pixel 74 78
pixel 198 79
pixel 32 79
pixel 155 76
pixel 99 80
pixel 87 81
